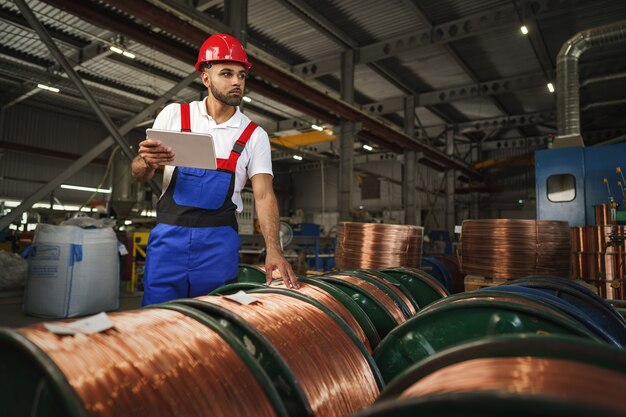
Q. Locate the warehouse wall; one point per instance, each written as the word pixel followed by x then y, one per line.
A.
pixel 307 189
pixel 50 130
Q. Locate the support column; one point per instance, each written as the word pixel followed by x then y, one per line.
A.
pixel 450 184
pixel 236 16
pixel 409 194
pixel 347 133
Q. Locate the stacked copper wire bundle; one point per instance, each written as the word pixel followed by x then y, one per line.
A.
pixel 154 362
pixel 332 303
pixel 603 261
pixel 602 214
pixel 527 377
pixel 332 371
pixel 378 246
pixel 506 248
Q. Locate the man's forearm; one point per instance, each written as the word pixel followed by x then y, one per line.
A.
pixel 140 170
pixel 267 212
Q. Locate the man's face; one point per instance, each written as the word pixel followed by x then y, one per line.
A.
pixel 226 81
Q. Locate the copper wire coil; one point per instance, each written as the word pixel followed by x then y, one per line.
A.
pixel 334 375
pixel 393 288
pixel 378 246
pixel 374 291
pixel 155 362
pixel 563 379
pixel 506 248
pixel 332 303
pixel 601 260
pixel 602 214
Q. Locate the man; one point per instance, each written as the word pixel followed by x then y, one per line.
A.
pixel 194 247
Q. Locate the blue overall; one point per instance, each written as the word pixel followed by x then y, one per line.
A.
pixel 194 248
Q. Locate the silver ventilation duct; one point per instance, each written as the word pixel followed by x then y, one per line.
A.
pixel 568 83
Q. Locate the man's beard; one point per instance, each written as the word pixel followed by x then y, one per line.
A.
pixel 228 100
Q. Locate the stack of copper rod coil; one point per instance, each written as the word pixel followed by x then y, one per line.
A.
pixel 375 292
pixel 378 246
pixel 528 376
pixel 154 362
pixel 599 261
pixel 333 373
pixel 332 303
pixel 506 248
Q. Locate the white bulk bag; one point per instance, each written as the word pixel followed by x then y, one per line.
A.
pixel 72 272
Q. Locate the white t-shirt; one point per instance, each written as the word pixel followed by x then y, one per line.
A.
pixel 256 157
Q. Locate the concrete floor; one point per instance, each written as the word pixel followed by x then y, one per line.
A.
pixel 11 314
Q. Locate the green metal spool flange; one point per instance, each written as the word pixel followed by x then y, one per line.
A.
pixel 31 384
pixel 424 288
pixel 505 346
pixel 357 312
pixel 378 314
pixel 260 375
pixel 391 280
pixel 486 404
pixel 384 287
pixel 250 273
pixel 336 318
pixel 236 287
pixel 281 376
pixel 464 317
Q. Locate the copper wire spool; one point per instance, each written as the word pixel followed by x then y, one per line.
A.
pixel 332 371
pixel 393 308
pixel 332 303
pixel 506 248
pixel 393 288
pixel 529 376
pixel 155 362
pixel 378 246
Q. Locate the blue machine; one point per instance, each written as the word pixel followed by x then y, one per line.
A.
pixel 570 181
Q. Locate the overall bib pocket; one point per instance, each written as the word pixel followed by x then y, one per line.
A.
pixel 201 188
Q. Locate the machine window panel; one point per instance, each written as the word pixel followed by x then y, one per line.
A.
pixel 561 188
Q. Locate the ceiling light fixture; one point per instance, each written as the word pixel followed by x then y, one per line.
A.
pixel 48 88
pixel 550 87
pixel 524 30
pixel 247 99
pixel 368 147
pixel 316 127
pixel 297 157
pixel 90 189
pixel 120 51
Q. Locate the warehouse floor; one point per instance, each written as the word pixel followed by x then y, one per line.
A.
pixel 11 314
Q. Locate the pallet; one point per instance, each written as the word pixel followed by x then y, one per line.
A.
pixel 474 282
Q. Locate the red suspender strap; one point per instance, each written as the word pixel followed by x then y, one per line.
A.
pixel 230 164
pixel 185 119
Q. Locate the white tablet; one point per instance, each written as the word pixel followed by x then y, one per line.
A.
pixel 194 150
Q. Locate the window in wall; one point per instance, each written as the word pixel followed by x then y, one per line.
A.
pixel 561 188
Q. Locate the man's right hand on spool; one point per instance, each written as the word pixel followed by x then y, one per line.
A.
pixel 154 154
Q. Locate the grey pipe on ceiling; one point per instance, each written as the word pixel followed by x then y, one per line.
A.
pixel 567 78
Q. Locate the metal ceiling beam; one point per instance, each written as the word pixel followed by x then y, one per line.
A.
pixel 294 86
pixel 473 25
pixel 67 67
pixel 447 95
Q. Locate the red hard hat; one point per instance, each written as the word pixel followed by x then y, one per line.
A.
pixel 222 47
